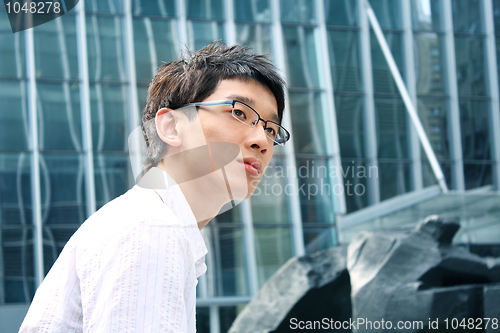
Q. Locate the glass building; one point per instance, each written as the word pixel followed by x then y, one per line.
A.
pixel 71 91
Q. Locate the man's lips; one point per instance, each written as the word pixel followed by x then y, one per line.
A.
pixel 252 165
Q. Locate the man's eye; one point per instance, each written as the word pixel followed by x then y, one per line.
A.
pixel 239 114
pixel 271 132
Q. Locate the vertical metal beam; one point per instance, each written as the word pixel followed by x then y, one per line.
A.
pixel 411 82
pixel 492 86
pixel 180 6
pixel 329 113
pixel 229 26
pixel 83 72
pixel 436 168
pixel 214 318
pixel 34 157
pixel 293 200
pixel 369 124
pixel 453 115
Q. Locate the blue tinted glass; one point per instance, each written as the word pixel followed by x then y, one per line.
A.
pixel 108 6
pixel 388 13
pixel 13 115
pixel 382 78
pixel 301 59
pixel 113 177
pixel 355 173
pixel 390 114
pixel 344 60
pixel 54 240
pixel 104 48
pixel 202 33
pixel 108 114
pixel 426 15
pixel 208 9
pixel 55 49
pixel 12 62
pixel 297 11
pixel 349 111
pixel 477 175
pixel 273 248
pixel 59 126
pixel 433 115
pixel 394 178
pixel 496 15
pixel 252 10
pixel 256 36
pixel 470 61
pixel 164 8
pixel 341 12
pixel 467 16
pixel 154 44
pixel 475 130
pixel 15 189
pixel 317 239
pixel 429 67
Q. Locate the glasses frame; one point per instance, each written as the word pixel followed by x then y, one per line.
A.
pixel 232 102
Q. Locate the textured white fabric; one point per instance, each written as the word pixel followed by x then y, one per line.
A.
pixel 131 267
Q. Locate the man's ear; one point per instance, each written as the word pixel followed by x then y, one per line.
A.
pixel 166 126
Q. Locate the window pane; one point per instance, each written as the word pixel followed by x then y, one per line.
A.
pixel 164 8
pixel 477 175
pixel 349 110
pixel 426 15
pixel 470 57
pixel 202 33
pixel 388 13
pixel 54 239
pixel 207 9
pixel 15 189
pixel 355 173
pixel 256 36
pixel 55 49
pixel 391 128
pixel 496 15
pixel 302 67
pixel 226 274
pixel 429 69
pixel 62 189
pixel 383 81
pixel 104 48
pixel 59 116
pixel 344 60
pixel 341 12
pixel 11 50
pixel 317 239
pixel 252 10
pixel 433 115
pixel 14 123
pixel 475 132
pixel 315 190
pixel 113 177
pixel 269 201
pixel 467 16
pixel 108 114
pixel 227 315
pixel 394 179
pixel 108 6
pixel 154 44
pixel 272 249
pixel 202 320
pixel 308 127
pixel 297 11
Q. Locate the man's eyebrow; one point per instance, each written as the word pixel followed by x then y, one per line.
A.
pixel 249 101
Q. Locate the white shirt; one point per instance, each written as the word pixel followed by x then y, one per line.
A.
pixel 131 267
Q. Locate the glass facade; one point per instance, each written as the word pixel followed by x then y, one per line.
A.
pixel 63 145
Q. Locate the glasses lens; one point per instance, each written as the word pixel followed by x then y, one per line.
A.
pixel 244 114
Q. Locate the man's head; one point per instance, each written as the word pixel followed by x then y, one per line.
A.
pixel 195 77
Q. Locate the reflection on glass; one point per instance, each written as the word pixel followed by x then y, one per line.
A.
pixel 108 6
pixel 112 176
pixel 355 174
pixel 226 275
pixel 470 58
pixel 428 176
pixel 11 50
pixel 496 15
pixel 391 117
pixel 467 16
pixel 15 189
pixel 256 36
pixel 202 33
pixel 252 10
pixel 383 81
pixel 163 8
pixel 206 9
pixel 349 111
pixel 297 11
pixel 475 130
pixel 308 127
pixel 344 61
pixel 433 114
pixel 14 120
pixel 302 67
pixel 202 320
pixel 426 15
pixel 54 239
pixel 388 13
pixel 60 120
pixel 269 201
pixel 108 114
pixel 154 44
pixel 429 68
pixel 227 314
pixel 55 49
pixel 341 12
pixel 318 239
pixel 394 179
pixel 104 48
pixel 477 175
pixel 272 249
pixel 62 189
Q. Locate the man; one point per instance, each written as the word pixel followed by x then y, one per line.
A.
pixel 211 122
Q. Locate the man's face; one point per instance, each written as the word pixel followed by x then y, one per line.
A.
pixel 219 125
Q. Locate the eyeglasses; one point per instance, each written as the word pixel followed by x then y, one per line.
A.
pixel 248 116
